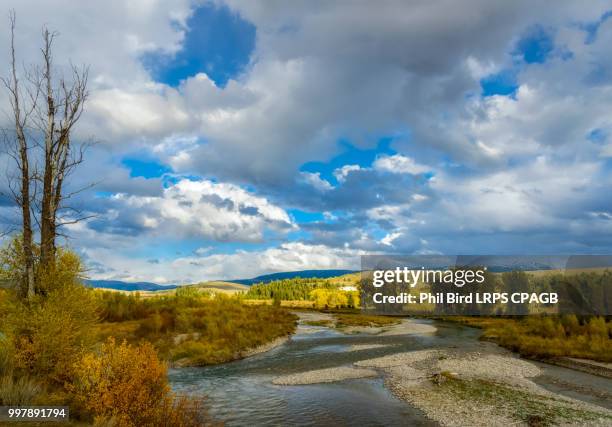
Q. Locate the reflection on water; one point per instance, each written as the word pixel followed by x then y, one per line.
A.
pixel 241 393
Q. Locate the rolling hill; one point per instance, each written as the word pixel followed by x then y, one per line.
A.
pixel 220 286
pixel 320 274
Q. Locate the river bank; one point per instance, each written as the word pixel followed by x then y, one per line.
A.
pixel 589 366
pixel 262 348
pixel 460 387
pixel 417 372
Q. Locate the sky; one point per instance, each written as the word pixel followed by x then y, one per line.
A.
pixel 236 138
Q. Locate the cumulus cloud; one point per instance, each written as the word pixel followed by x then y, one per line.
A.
pixel 220 211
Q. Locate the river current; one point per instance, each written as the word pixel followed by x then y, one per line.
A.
pixel 241 393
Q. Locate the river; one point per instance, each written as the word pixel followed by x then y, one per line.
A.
pixel 241 392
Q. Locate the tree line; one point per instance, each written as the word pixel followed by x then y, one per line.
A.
pixel 288 289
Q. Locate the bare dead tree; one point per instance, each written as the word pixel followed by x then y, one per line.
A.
pixel 57 116
pixel 22 195
pixel 54 106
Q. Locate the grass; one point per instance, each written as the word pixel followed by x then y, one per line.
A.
pixel 535 410
pixel 324 323
pixel 353 318
pixel 547 336
pixel 344 320
pixel 19 391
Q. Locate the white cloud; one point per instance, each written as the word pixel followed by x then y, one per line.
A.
pixel 203 251
pixel 152 112
pixel 399 164
pixel 536 196
pixel 341 173
pixel 219 211
pixel 111 35
pixel 389 238
pixel 316 181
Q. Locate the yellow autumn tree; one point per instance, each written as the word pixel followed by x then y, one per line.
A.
pixel 50 330
pixel 331 298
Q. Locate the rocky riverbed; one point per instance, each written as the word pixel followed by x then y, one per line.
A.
pixel 417 372
pixel 460 387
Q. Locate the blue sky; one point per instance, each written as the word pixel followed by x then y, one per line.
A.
pixel 218 42
pixel 236 138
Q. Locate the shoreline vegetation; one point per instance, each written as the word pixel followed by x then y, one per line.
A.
pixel 547 338
pixel 193 328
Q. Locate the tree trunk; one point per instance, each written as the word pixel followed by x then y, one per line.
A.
pixel 47 214
pixel 23 198
pixel 27 288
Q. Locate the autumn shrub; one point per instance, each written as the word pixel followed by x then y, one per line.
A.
pixel 12 261
pixel 118 307
pixel 189 293
pixel 67 270
pixel 48 332
pixel 597 328
pixel 219 329
pixel 554 336
pixel 127 386
pixel 122 381
pixel 228 328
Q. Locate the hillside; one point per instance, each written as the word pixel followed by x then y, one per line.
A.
pixel 318 274
pixel 220 286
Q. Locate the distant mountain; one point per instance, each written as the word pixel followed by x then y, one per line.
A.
pixel 126 286
pixel 227 284
pixel 319 274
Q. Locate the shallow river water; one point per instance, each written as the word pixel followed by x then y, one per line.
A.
pixel 241 393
